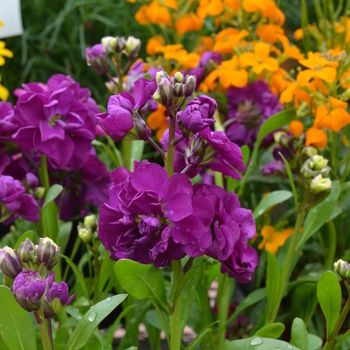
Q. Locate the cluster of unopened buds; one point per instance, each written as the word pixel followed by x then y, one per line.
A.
pixel 33 286
pixel 87 230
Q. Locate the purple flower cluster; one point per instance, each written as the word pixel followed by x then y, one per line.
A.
pixel 249 107
pixel 14 202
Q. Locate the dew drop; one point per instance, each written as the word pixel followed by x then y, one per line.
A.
pixel 256 341
pixel 108 299
pixel 92 316
pixel 79 317
pixel 289 346
pixel 260 211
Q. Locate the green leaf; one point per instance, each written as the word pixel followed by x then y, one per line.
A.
pixel 105 273
pixel 270 200
pixel 16 328
pixel 314 342
pixel 258 343
pixel 273 282
pixel 273 330
pixel 329 296
pixel 50 221
pixel 299 334
pixel 78 275
pixel 53 192
pixel 141 281
pixel 91 320
pixel 28 234
pixel 231 183
pixel 320 214
pixel 153 319
pixel 63 235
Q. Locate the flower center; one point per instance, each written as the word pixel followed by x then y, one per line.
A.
pixel 53 120
pixel 249 115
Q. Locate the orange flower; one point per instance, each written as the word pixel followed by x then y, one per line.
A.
pixel 259 60
pixel 157 121
pixel 269 33
pixel 298 34
pixel 268 9
pixel 154 45
pixel 316 137
pixel 231 74
pixel 296 127
pixel 189 23
pixel 206 44
pixel 227 39
pixel 154 13
pixel 209 8
pixel 318 68
pixel 289 51
pixel 334 116
pixel 210 82
pixel 273 240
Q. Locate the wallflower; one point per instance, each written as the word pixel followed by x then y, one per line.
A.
pixel 273 240
pixel 4 53
pixel 268 8
pixel 316 137
pixel 259 60
pixel 269 33
pixel 318 67
pixel 185 59
pixel 334 116
pixel 189 23
pixel 154 45
pixel 153 13
pixel 296 127
pixel 298 34
pixel 289 51
pixel 209 8
pixel 158 121
pixel 227 39
pixel 231 74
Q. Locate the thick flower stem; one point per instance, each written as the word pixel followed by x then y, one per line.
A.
pixel 175 316
pixel 126 145
pixel 44 174
pixel 45 339
pixel 226 286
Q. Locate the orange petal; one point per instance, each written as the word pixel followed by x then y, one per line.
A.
pixel 322 118
pixel 335 103
pixel 316 137
pixel 327 74
pixel 240 78
pixel 296 127
pixel 247 59
pixel 262 50
pixel 339 118
pixel 305 76
pixel 267 231
pixel 271 247
pixel 287 95
pixel 270 64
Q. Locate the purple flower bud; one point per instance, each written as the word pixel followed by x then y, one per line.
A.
pixel 48 252
pixel 56 299
pixel 198 114
pixel 25 250
pixel 10 264
pixel 160 75
pixel 97 59
pixel 190 83
pixel 28 288
pixel 165 90
pixel 142 129
pixel 179 90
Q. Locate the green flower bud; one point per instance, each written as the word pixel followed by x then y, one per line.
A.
pixel 318 162
pixel 342 268
pixel 160 75
pixel 310 151
pixel 179 77
pixel 156 97
pixel 25 250
pixel 166 92
pixel 85 234
pixel 90 221
pixel 319 184
pixel 39 193
pixel 132 47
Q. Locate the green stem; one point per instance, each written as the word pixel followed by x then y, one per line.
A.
pixel 97 268
pixel 226 285
pixel 334 149
pixel 346 169
pixel 304 25
pixel 127 154
pixel 44 174
pixel 160 314
pixel 332 244
pixel 175 316
pixel 118 160
pixel 45 338
pixel 287 264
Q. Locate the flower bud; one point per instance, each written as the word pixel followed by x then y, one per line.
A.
pixel 10 263
pixel 281 138
pixel 306 171
pixel 85 234
pixel 318 162
pixel 319 184
pixel 179 90
pixel 120 44
pixel 190 84
pixel 160 75
pixel 179 77
pixel 109 42
pixel 310 151
pixel 25 250
pixel 325 171
pixel 97 59
pixel 342 268
pixel 91 222
pixel 39 193
pixel 132 47
pixel 166 93
pixel 156 97
pixel 143 130
pixel 48 252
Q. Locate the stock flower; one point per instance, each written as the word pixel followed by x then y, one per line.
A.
pixel 189 23
pixel 4 53
pixel 120 117
pixel 316 137
pixel 318 67
pixel 47 252
pixel 10 263
pixel 158 121
pixel 231 228
pixel 198 114
pixel 28 288
pixel 151 218
pixel 97 59
pixel 208 57
pixel 249 107
pixel 7 122
pixel 273 240
pixel 334 116
pixel 259 60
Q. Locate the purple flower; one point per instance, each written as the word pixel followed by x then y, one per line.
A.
pixel 97 59
pixel 150 218
pixel 56 299
pixel 249 107
pixel 28 288
pixel 8 124
pixel 274 168
pixel 210 56
pixel 198 114
pixel 121 115
pixel 231 228
pixel 16 202
pixel 55 122
pixel 10 263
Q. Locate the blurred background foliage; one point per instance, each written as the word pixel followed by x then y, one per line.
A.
pixel 56 33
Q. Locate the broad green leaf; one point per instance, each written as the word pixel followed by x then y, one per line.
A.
pixel 213 273
pixel 105 273
pixel 153 319
pixel 273 282
pixel 314 342
pixel 141 281
pixel 299 334
pixel 258 343
pixel 329 296
pixel 3 345
pixel 273 330
pixel 78 275
pixel 28 234
pixel 270 200
pixel 16 328
pixel 63 235
pixel 320 214
pixel 91 320
pixel 53 192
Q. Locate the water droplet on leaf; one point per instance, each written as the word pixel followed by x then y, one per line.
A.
pixel 108 299
pixel 92 316
pixel 256 341
pixel 289 346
